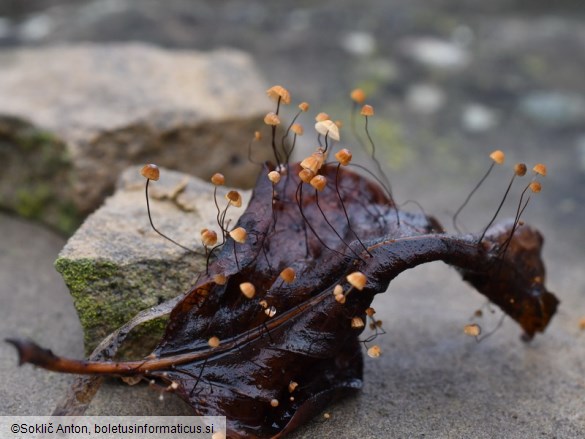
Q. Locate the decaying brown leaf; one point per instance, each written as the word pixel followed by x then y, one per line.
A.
pixel 306 337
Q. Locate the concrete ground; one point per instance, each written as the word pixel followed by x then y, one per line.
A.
pixel 514 82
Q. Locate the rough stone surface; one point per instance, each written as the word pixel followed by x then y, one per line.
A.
pixel 115 265
pixel 72 117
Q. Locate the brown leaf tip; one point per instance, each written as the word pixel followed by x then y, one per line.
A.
pixel 29 352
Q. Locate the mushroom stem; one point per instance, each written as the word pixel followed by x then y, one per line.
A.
pixel 159 232
pixel 473 191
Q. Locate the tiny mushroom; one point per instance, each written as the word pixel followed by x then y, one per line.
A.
pixel 151 172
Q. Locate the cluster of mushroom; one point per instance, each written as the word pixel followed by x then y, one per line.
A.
pixel 324 126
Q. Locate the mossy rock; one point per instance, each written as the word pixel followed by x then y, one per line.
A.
pixel 37 164
pixel 115 265
pixel 67 134
pixel 107 295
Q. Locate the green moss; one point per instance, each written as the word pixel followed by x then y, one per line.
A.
pixel 31 202
pixel 29 139
pixel 49 152
pixel 88 282
pixel 68 217
pixel 38 164
pixel 78 273
pixel 107 295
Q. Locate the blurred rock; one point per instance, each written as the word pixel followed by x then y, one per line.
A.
pixel 425 98
pixel 5 27
pixel 115 265
pixel 580 152
pixel 554 109
pixel 36 27
pixel 436 53
pixel 359 43
pixel 72 117
pixel 463 36
pixel 477 118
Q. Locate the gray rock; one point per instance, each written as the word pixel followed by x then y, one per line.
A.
pixel 553 109
pixel 36 27
pixel 580 152
pixel 478 118
pixel 35 305
pixel 72 117
pixel 436 53
pixel 425 98
pixel 359 43
pixel 116 265
pixel 5 27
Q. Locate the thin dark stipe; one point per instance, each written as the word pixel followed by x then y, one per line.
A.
pixel 380 170
pixel 470 195
pixel 345 210
pixel 498 209
pixel 299 199
pixel 333 228
pixel 159 232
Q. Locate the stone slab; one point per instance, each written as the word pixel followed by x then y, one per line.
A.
pixel 72 117
pixel 115 265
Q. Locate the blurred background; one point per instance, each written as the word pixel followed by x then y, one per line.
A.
pixel 450 82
